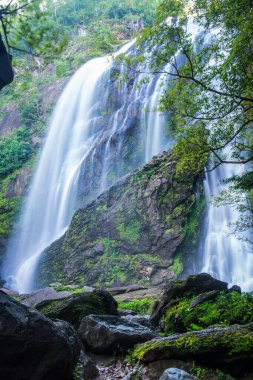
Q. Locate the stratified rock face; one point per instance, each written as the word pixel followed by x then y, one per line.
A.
pixel 74 308
pixel 32 346
pixel 105 334
pixel 128 235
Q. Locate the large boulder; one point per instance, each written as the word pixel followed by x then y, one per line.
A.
pixel 229 348
pixel 193 285
pixel 74 308
pixel 107 334
pixel 32 346
pixel 128 235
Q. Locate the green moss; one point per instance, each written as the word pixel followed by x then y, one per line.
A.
pixel 129 232
pixel 225 310
pixel 177 265
pixel 142 306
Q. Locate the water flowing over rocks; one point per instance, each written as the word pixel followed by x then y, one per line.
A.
pixel 32 346
pixel 107 334
pixel 128 235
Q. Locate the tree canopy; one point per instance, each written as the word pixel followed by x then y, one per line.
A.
pixel 209 45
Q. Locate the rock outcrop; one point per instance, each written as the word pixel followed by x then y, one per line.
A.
pixel 33 346
pixel 128 235
pixel 76 307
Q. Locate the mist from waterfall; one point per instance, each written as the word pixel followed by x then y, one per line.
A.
pixel 84 153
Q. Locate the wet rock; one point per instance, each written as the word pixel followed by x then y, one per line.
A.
pixel 74 308
pixel 193 285
pixel 104 334
pixel 141 319
pixel 47 294
pixel 33 346
pixel 176 374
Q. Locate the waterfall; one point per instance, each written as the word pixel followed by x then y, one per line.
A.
pixel 87 148
pixel 222 253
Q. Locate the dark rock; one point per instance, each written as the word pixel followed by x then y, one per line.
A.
pixel 142 320
pixel 32 346
pixel 128 235
pixel 86 368
pixel 47 294
pixel 176 374
pixel 193 285
pixel 74 308
pixel 234 288
pixel 228 348
pixel 105 334
pixel 204 297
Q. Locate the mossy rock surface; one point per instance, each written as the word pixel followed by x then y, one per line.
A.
pixel 214 347
pixel 178 290
pixel 129 235
pixel 74 308
pixel 223 310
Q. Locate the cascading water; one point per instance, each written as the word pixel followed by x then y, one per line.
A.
pixel 99 132
pixel 223 255
pixel 78 159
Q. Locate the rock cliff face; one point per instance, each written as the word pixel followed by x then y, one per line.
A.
pixel 127 235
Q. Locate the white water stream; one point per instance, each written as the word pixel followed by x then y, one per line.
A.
pixel 74 139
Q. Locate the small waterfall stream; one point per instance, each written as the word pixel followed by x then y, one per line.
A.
pixel 222 253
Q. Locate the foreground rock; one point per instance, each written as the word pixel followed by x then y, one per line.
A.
pixel 214 347
pixel 32 346
pixel 193 285
pixel 105 334
pixel 128 235
pixel 74 308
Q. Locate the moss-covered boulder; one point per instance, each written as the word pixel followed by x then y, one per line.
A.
pixel 214 347
pixel 185 289
pixel 223 309
pixel 76 307
pixel 129 235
